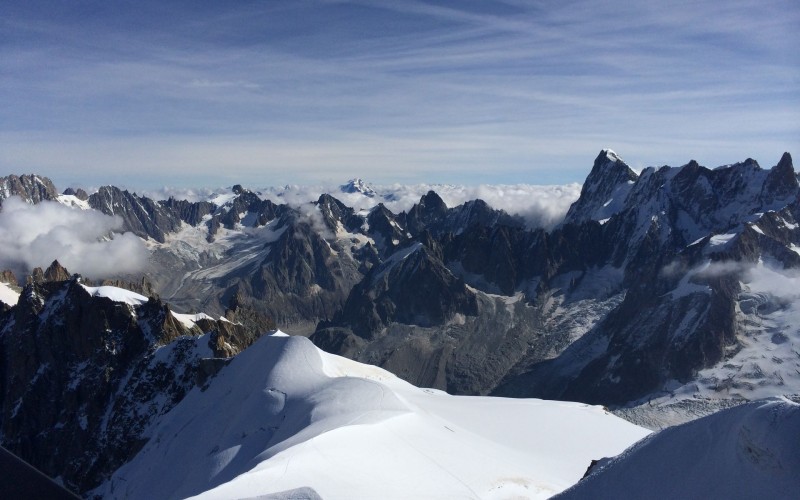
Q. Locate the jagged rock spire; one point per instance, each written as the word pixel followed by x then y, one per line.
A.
pixel 56 272
pixel 781 181
pixel 430 208
pixel 605 189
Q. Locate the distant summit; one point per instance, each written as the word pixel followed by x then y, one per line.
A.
pixel 605 190
pixel 31 188
pixel 358 186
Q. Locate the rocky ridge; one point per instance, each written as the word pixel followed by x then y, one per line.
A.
pixel 31 188
pixel 84 370
pixel 651 293
pixel 611 306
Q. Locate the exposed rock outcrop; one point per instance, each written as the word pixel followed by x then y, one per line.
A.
pixel 140 215
pixel 81 375
pixel 31 188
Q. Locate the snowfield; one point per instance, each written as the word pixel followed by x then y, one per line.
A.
pixel 284 416
pixel 8 295
pixel 750 451
pixel 116 294
pixel 190 320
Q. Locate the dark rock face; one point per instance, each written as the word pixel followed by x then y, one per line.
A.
pixel 56 272
pixel 605 189
pixel 190 213
pixel 81 376
pixel 77 193
pixel 246 209
pixel 383 297
pixel 430 210
pixel 475 213
pixel 31 188
pixel 781 182
pixel 9 277
pixel 297 278
pixel 492 253
pixel 296 262
pixel 245 201
pixel 414 314
pixel 140 215
pixel 335 214
pixel 629 264
pixel 386 229
pixel 674 320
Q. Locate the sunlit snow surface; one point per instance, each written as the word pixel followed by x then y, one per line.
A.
pixel 189 320
pixel 767 360
pixel 116 294
pixel 751 451
pixel 73 201
pixel 764 362
pixel 8 295
pixel 284 415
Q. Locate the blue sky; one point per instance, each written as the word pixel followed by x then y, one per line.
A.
pixel 153 93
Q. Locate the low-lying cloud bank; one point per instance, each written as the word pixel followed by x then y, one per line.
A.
pixel 83 241
pixel 540 206
pixel 765 277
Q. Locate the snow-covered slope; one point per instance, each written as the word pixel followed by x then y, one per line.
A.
pixel 285 416
pixel 751 451
pixel 116 294
pixel 8 295
pixel 71 200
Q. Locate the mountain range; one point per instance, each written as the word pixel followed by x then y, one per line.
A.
pixel 664 295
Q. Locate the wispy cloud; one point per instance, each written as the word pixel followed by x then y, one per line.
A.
pixel 395 91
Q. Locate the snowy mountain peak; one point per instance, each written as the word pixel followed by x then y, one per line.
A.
pixel 358 186
pixel 605 189
pixel 610 167
pixel 301 423
pixel 611 155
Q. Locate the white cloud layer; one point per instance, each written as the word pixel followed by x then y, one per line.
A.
pixel 81 240
pixel 540 206
pixel 774 281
